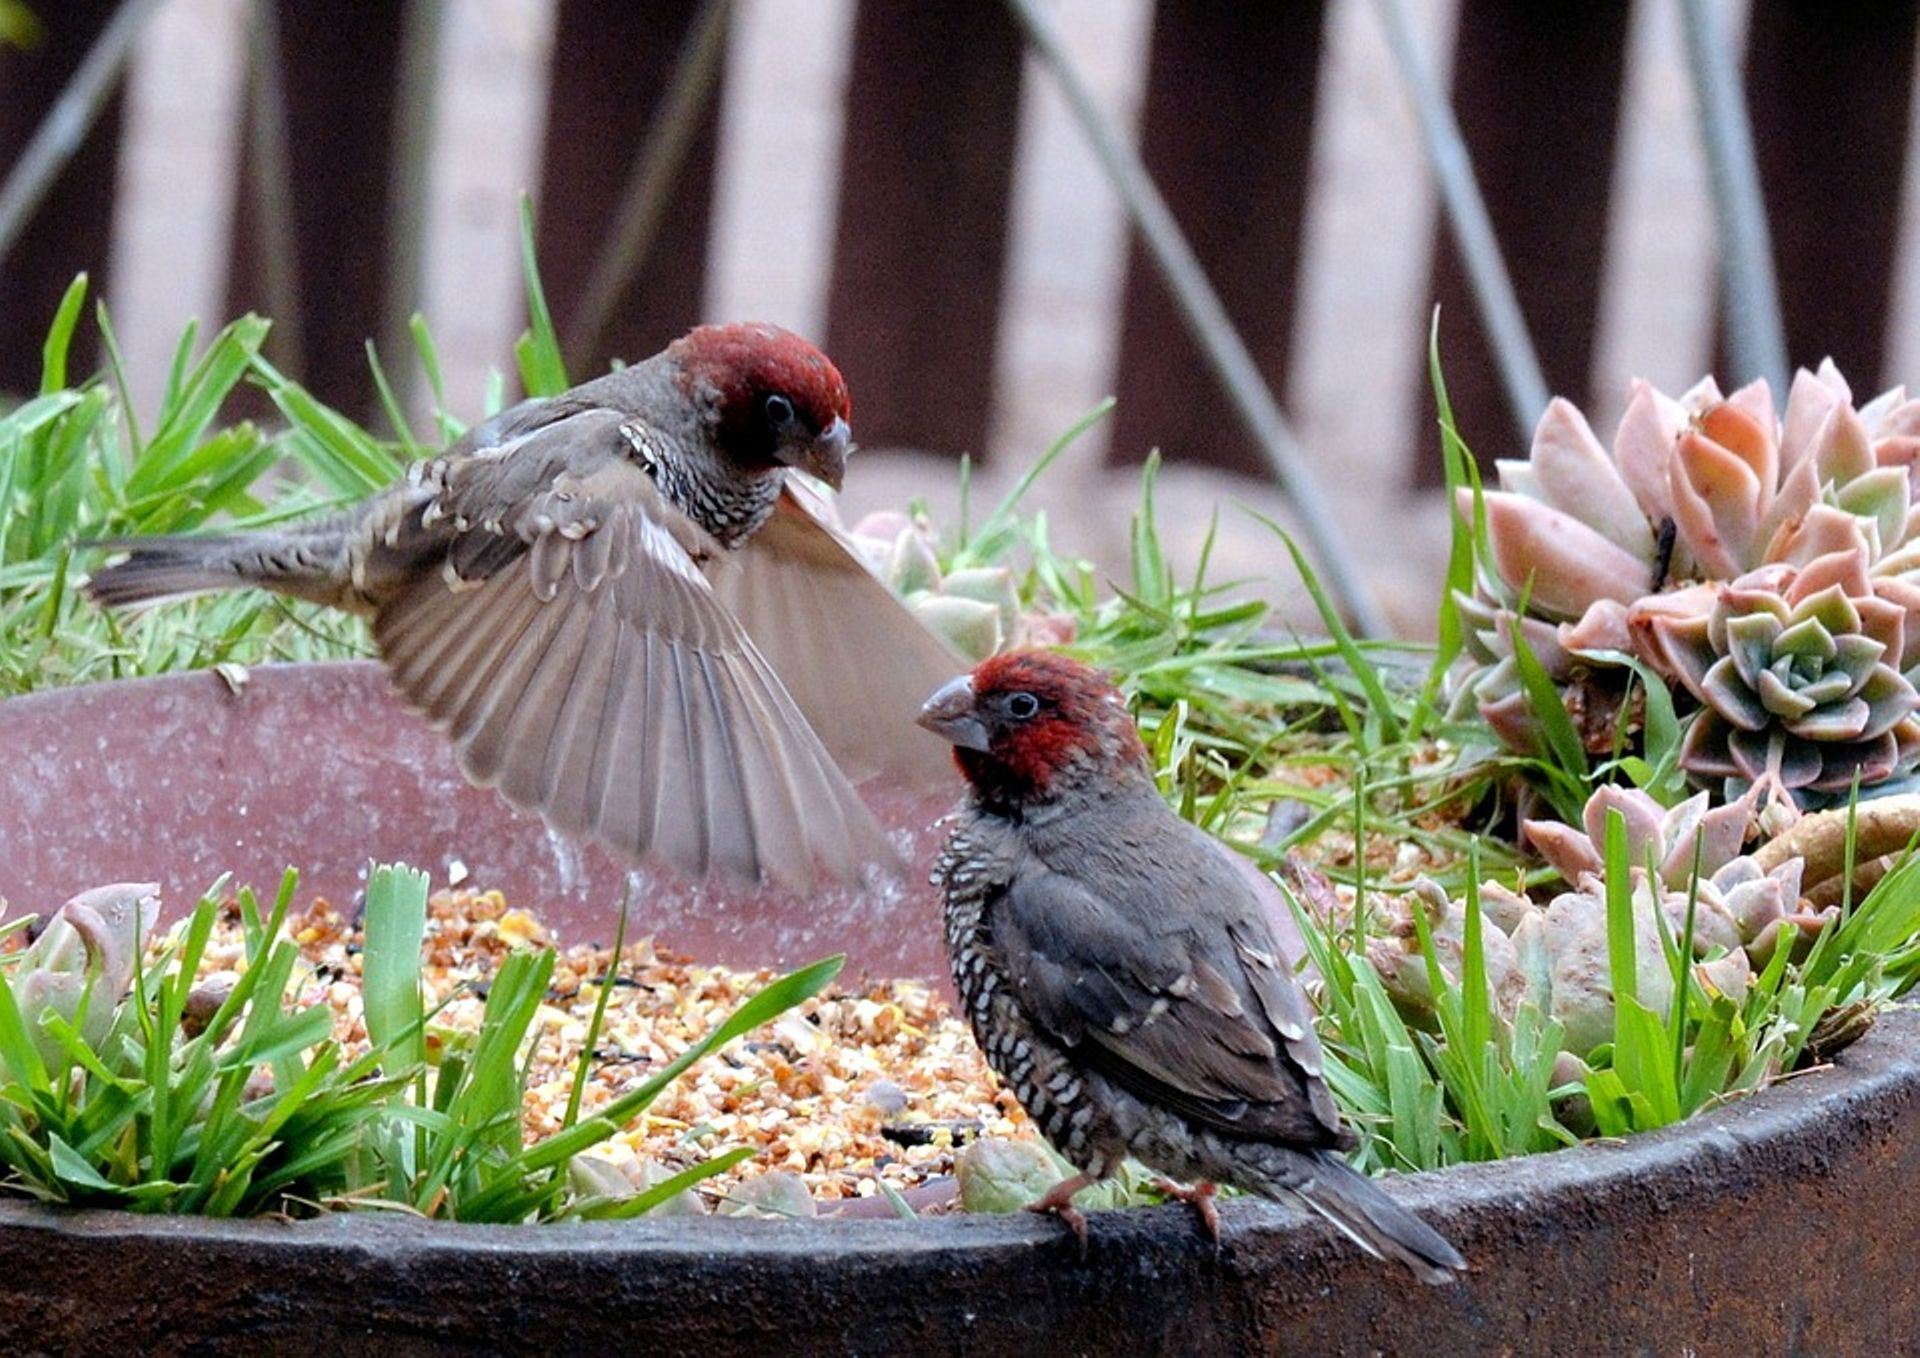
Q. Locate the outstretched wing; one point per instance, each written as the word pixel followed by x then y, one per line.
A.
pixel 576 655
pixel 854 659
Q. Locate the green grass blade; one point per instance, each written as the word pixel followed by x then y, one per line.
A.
pixel 1380 704
pixel 1456 461
pixel 645 1201
pixel 449 428
pixel 987 545
pixel 542 370
pixel 18 1053
pixel 53 354
pixel 1475 998
pixel 764 1006
pixel 117 366
pixel 390 403
pixel 395 927
pixel 1622 944
pixel 592 1040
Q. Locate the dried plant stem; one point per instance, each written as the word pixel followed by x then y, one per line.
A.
pixel 1883 826
pixel 270 163
pixel 410 176
pixel 650 183
pixel 70 119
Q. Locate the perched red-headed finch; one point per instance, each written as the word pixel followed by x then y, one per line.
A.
pixel 1119 973
pixel 622 615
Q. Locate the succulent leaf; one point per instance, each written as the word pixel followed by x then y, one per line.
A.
pixel 84 956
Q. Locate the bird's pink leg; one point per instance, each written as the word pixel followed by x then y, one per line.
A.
pixel 1201 1196
pixel 1059 1201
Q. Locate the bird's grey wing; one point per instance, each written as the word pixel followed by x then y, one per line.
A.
pixel 1182 1008
pixel 520 419
pixel 856 661
pixel 465 508
pixel 576 656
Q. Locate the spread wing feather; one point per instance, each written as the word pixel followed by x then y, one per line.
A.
pixel 591 675
pixel 858 663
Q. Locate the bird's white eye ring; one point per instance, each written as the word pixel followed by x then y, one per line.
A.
pixel 1020 706
pixel 779 410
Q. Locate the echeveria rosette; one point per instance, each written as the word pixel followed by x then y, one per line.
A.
pixel 976 610
pixel 1693 493
pixel 1493 688
pixel 1575 524
pixel 1738 904
pixel 1591 689
pixel 1668 837
pixel 1794 668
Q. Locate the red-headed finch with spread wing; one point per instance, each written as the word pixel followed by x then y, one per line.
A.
pixel 622 615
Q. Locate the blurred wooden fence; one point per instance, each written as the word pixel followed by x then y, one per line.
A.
pixel 932 120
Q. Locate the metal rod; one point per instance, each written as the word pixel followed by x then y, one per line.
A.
pixel 70 119
pixel 650 183
pixel 1756 336
pixel 1466 209
pixel 1206 321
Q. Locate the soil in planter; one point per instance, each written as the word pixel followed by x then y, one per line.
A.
pixel 870 1081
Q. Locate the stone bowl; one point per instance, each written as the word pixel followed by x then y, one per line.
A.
pixel 1786 1222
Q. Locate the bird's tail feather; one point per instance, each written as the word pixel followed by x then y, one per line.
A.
pixel 1363 1212
pixel 157 568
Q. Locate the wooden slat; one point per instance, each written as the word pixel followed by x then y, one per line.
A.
pixel 339 67
pixel 1227 134
pixel 611 67
pixel 69 232
pixel 925 177
pixel 1537 92
pixel 1828 88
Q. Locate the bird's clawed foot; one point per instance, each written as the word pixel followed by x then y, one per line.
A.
pixel 1201 1195
pixel 1058 1201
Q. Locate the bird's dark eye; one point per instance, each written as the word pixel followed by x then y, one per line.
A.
pixel 779 410
pixel 1020 706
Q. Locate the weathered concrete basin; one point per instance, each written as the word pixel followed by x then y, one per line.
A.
pixel 1787 1223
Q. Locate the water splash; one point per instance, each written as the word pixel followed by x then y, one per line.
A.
pixel 566 861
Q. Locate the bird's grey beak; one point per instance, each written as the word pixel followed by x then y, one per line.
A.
pixel 949 714
pixel 826 456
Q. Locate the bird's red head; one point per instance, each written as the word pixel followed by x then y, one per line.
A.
pixel 1027 724
pixel 777 400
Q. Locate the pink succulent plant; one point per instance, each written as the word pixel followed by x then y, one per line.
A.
pixel 1556 956
pixel 1738 905
pixel 83 958
pixel 1669 836
pixel 1740 486
pixel 976 610
pixel 1705 509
